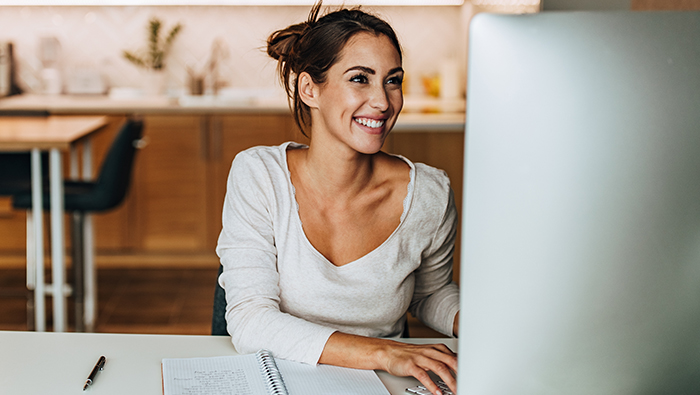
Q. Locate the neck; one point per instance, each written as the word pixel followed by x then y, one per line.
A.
pixel 340 173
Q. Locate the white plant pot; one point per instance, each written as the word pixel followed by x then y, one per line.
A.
pixel 154 82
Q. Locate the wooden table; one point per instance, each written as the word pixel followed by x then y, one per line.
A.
pixel 59 363
pixel 54 134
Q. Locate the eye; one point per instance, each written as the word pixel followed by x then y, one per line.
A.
pixel 395 80
pixel 359 78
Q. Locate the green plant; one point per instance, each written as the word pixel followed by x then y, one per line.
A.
pixel 154 56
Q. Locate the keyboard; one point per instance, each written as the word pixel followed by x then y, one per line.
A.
pixel 421 390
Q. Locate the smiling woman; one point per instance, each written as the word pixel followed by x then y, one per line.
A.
pixel 326 247
pixel 361 97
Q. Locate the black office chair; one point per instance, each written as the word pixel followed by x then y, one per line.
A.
pixel 81 197
pixel 15 167
pixel 15 172
pixel 218 319
pixel 15 177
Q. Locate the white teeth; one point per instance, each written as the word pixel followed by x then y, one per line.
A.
pixel 372 123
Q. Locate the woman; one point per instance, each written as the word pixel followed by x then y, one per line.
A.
pixel 326 246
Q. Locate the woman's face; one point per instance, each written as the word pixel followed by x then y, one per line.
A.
pixel 362 97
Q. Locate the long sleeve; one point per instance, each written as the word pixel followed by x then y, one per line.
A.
pixel 436 297
pixel 248 253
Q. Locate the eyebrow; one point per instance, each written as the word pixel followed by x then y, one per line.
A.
pixel 371 71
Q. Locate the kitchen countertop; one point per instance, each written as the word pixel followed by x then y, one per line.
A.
pixel 419 114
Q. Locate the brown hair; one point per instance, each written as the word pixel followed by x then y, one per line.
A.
pixel 315 45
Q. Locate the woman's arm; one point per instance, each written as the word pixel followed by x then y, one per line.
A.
pixel 396 358
pixel 436 297
pixel 248 252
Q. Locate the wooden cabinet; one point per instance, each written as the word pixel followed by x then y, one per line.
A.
pixel 179 181
pixel 172 213
pixel 170 186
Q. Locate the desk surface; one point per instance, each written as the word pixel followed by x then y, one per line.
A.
pixel 59 363
pixel 25 133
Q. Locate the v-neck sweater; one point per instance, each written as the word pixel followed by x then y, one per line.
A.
pixel 284 296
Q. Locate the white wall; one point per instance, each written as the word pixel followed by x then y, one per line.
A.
pixel 94 37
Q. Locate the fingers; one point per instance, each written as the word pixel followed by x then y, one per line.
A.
pixel 444 368
pixel 427 382
pixel 444 355
pixel 449 379
pixel 436 358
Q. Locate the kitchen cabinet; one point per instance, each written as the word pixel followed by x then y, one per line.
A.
pixel 179 181
pixel 170 186
pixel 172 213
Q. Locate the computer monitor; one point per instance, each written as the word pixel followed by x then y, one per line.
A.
pixel 580 267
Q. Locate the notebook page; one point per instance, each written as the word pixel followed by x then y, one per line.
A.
pixel 213 376
pixel 303 379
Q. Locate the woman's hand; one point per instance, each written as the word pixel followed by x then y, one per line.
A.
pixel 396 358
pixel 416 360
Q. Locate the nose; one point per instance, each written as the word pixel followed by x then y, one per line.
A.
pixel 379 98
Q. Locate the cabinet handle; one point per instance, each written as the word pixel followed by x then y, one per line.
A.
pixel 204 137
pixel 215 138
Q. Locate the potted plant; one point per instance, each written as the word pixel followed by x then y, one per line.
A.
pixel 153 57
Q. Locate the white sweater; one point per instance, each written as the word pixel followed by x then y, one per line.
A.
pixel 285 296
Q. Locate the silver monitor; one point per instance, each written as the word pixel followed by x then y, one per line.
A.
pixel 580 265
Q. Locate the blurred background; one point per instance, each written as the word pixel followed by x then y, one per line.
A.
pixel 214 94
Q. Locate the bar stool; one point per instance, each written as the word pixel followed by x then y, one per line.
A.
pixel 83 197
pixel 15 177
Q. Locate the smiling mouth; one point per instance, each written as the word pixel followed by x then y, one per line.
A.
pixel 370 123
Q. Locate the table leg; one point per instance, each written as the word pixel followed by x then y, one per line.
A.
pixel 77 269
pixel 78 257
pixel 57 240
pixel 89 249
pixel 38 242
pixel 90 275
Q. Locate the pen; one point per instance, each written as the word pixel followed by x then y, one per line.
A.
pixel 98 366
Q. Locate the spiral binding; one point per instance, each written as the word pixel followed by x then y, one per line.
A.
pixel 272 375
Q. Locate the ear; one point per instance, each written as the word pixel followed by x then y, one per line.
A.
pixel 308 90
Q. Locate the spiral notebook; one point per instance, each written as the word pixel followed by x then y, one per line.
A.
pixel 262 374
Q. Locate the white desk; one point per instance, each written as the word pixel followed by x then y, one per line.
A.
pixel 59 363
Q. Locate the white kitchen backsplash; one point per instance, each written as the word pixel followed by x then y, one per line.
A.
pixel 93 38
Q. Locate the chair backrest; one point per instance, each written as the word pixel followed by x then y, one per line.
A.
pixel 15 169
pixel 15 172
pixel 115 174
pixel 218 319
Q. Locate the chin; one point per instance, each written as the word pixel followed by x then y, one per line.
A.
pixel 370 148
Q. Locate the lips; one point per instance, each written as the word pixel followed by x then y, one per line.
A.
pixel 370 123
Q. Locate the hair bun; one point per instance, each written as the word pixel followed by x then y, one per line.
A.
pixel 281 44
